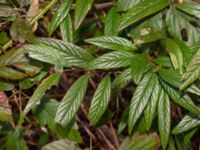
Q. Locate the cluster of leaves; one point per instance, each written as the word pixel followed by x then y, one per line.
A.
pixel 154 44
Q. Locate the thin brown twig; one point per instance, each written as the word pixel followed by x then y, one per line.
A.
pixel 110 145
pixel 91 135
pixel 114 135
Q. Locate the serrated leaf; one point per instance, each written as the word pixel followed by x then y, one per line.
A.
pixel 113 43
pixel 61 145
pixel 66 29
pixel 58 52
pixel 40 91
pixel 81 10
pixel 176 21
pixel 100 100
pixel 182 101
pixel 152 104
pixel 139 66
pixel 60 15
pixel 141 10
pixel 122 80
pixel 111 22
pixel 188 122
pixel 71 101
pixel 140 99
pixel 164 118
pixel 174 79
pixel 175 54
pixel 193 71
pixel 116 59
pixel 191 8
pixel 124 5
pixel 141 142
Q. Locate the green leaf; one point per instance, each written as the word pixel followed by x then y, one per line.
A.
pixel 174 79
pixel 193 71
pixel 71 101
pixel 11 74
pixel 141 142
pixel 66 29
pixel 124 5
pixel 61 145
pixel 175 54
pixel 112 42
pixel 12 56
pixel 152 104
pixel 60 15
pixel 40 91
pixel 191 8
pixel 123 120
pixel 58 52
pixel 14 140
pixel 164 118
pixel 139 66
pixel 122 80
pixel 116 59
pixel 100 100
pixel 141 10
pixel 176 21
pixel 112 21
pixel 188 122
pixel 6 86
pixel 182 101
pixel 45 112
pixel 140 99
pixel 81 10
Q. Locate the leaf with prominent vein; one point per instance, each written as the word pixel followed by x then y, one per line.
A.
pixel 191 8
pixel 66 29
pixel 124 5
pixel 40 91
pixel 60 15
pixel 111 23
pixel 112 42
pixel 151 105
pixel 81 9
pixel 140 99
pixel 188 122
pixel 58 52
pixel 182 101
pixel 122 80
pixel 193 71
pixel 139 66
pixel 71 101
pixel 100 100
pixel 164 119
pixel 175 54
pixel 174 79
pixel 176 22
pixel 141 10
pixel 112 60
